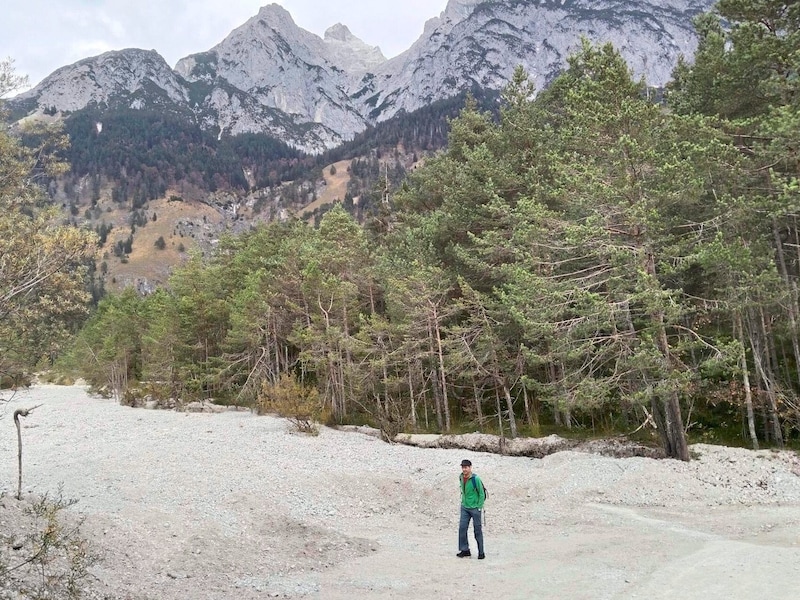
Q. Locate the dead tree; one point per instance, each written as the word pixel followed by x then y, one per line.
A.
pixel 21 412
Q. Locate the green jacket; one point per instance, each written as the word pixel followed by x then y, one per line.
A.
pixel 472 496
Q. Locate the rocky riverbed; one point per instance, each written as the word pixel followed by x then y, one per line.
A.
pixel 202 506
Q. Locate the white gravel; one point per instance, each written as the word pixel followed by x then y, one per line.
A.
pixel 216 506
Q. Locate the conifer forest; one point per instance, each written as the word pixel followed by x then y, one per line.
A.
pixel 592 259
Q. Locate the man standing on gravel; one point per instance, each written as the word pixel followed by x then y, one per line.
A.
pixel 473 496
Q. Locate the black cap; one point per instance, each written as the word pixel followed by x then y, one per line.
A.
pixel 466 463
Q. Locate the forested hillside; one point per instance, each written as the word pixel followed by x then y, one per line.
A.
pixel 145 153
pixel 129 167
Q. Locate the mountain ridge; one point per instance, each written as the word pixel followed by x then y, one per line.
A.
pixel 271 76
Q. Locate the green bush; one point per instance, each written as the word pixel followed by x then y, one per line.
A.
pixel 300 404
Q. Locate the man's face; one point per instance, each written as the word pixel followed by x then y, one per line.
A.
pixel 466 471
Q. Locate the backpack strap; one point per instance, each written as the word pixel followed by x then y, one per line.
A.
pixel 475 486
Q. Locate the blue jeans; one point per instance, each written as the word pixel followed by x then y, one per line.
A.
pixel 475 515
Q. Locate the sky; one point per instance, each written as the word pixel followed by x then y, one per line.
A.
pixel 43 35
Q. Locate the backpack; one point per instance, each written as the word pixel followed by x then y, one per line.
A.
pixel 475 486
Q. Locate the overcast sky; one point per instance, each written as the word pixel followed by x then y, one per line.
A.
pixel 43 35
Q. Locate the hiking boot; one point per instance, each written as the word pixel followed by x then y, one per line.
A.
pixel 481 556
pixel 464 554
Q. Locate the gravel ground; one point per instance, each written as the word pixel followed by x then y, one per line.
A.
pixel 188 506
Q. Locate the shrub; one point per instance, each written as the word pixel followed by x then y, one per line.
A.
pixel 56 377
pixel 289 398
pixel 42 551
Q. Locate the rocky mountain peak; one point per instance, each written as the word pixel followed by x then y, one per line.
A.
pixel 349 53
pixel 455 12
pixel 119 76
pixel 275 15
pixel 339 33
pixel 458 10
pixel 270 68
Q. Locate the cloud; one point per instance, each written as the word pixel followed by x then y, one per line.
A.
pixel 392 26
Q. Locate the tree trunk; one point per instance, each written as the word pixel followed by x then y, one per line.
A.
pixel 499 420
pixel 527 405
pixel 512 421
pixel 348 359
pixel 478 408
pixel 673 432
pixel 551 370
pixel 437 400
pixel 770 367
pixel 792 308
pixel 442 373
pixel 748 394
pixel 412 398
pixel 756 339
pixel 341 383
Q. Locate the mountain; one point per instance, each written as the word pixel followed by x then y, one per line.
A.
pixel 128 76
pixel 282 67
pixel 271 76
pixel 479 43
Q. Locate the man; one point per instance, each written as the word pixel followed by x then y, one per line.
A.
pixel 472 498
